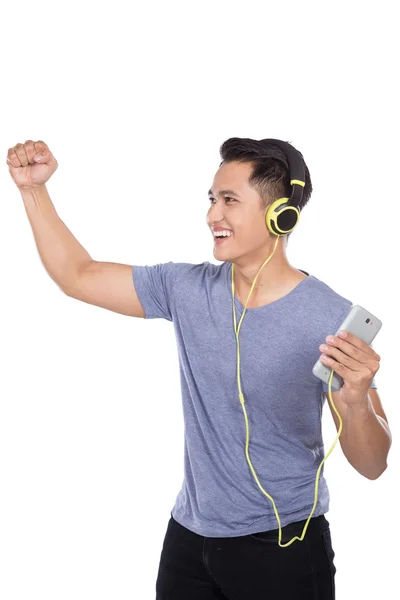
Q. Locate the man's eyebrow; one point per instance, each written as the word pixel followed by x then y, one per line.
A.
pixel 210 192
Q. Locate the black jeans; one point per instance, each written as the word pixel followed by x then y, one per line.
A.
pixel 250 567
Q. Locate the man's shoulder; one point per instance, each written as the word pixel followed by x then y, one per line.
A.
pixel 327 301
pixel 196 270
pixel 322 288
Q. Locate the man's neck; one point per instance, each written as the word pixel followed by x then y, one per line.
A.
pixel 276 278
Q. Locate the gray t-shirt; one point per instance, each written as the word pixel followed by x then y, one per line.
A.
pixel 279 344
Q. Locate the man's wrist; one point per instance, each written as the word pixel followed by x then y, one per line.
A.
pixel 363 407
pixel 31 188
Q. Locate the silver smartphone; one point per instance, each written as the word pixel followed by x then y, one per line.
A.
pixel 361 323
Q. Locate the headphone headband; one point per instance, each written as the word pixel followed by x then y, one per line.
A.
pixel 296 170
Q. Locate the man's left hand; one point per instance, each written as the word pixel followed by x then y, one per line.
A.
pixel 355 361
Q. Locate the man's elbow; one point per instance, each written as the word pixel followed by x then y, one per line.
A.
pixel 376 476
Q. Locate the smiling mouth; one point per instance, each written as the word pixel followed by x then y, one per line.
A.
pixel 222 239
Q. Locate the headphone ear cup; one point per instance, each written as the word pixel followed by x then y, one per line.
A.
pixel 280 218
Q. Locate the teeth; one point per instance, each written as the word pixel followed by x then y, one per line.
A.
pixel 222 233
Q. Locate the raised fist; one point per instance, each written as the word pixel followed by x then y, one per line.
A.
pixel 26 168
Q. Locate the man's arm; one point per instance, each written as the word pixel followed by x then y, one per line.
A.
pixel 366 437
pixel 105 284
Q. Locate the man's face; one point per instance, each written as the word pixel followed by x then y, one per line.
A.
pixel 240 211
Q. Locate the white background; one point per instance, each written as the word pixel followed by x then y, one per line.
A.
pixel 134 100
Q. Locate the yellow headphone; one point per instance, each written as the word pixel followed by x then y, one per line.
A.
pixel 281 218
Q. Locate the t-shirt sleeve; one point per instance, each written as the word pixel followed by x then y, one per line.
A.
pixel 154 285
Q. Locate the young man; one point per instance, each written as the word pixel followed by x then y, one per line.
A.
pixel 222 537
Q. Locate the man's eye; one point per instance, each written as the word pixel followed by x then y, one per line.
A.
pixel 226 198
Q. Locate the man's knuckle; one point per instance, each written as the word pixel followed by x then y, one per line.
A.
pixel 353 351
pixel 376 366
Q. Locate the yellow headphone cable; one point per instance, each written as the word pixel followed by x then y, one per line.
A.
pixel 241 398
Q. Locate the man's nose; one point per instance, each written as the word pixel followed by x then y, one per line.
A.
pixel 215 213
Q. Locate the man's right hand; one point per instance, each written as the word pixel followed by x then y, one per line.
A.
pixel 26 169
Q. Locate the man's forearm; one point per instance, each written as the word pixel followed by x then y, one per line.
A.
pixel 60 251
pixel 366 439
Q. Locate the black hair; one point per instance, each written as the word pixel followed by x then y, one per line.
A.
pixel 270 173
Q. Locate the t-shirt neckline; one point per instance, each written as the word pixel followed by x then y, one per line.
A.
pixel 292 292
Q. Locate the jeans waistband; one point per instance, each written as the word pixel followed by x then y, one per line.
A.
pixel 316 525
